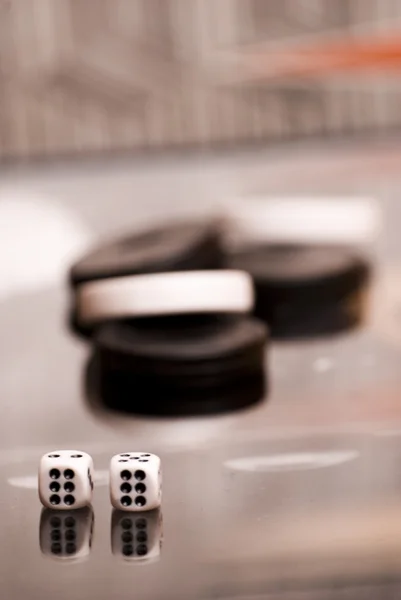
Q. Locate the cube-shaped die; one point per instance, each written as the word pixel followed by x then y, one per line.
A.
pixel 67 535
pixel 66 479
pixel 135 481
pixel 137 537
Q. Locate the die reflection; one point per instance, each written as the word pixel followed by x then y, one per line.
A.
pixel 66 535
pixel 138 536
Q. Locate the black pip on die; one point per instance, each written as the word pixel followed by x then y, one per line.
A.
pixel 66 479
pixel 135 481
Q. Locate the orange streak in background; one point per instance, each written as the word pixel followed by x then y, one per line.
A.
pixel 325 58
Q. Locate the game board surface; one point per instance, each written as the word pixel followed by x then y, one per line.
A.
pixel 299 496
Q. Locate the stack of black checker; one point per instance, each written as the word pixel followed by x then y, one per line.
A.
pixel 175 363
pixel 310 259
pixel 306 291
pixel 205 362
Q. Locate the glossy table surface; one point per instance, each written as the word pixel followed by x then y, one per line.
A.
pixel 298 497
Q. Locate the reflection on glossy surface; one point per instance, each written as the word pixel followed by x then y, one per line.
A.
pixel 66 535
pixel 36 262
pixel 300 461
pixel 296 534
pixel 137 537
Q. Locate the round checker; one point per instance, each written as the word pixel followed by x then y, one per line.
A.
pixel 175 247
pixel 180 346
pixel 197 292
pixel 118 391
pixel 186 365
pixel 308 220
pixel 306 291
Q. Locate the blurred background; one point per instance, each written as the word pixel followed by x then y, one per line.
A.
pixel 78 76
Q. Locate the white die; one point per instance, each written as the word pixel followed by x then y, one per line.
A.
pixel 66 479
pixel 135 481
pixel 137 537
pixel 67 535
